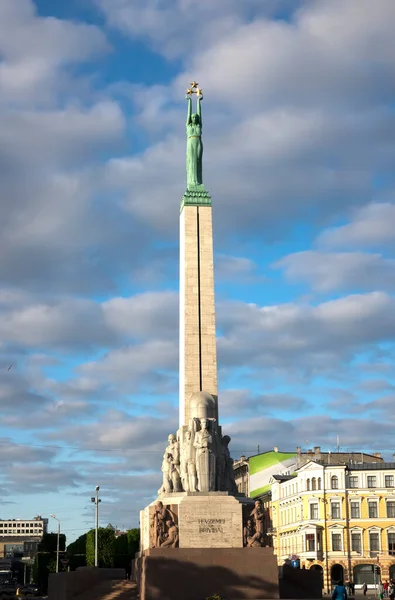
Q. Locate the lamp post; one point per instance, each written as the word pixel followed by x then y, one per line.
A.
pixel 96 500
pixel 57 542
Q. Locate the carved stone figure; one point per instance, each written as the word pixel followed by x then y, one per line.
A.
pixel 171 467
pixel 171 536
pixel 174 450
pixel 205 457
pixel 259 518
pixel 188 465
pixel 158 525
pixel 194 141
pixel 229 474
pixel 251 537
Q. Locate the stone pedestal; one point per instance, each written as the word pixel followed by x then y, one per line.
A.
pixel 195 574
pixel 204 519
pixel 209 557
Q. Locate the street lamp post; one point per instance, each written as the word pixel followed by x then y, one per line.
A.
pixel 96 500
pixel 57 542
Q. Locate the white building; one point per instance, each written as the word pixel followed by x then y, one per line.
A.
pixel 22 527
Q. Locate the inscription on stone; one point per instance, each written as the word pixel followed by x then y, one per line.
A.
pixel 211 525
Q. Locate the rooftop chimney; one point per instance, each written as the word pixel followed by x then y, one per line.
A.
pixel 317 452
pixel 299 450
pixel 377 454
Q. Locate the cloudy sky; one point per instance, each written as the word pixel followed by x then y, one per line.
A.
pixel 299 130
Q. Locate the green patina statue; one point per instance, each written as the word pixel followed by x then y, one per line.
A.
pixel 194 139
pixel 195 194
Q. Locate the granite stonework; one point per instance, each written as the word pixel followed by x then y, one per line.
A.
pixel 203 519
pixel 195 574
pixel 200 536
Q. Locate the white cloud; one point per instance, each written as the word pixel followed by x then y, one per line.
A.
pixel 350 271
pixel 372 225
pixel 34 49
pixel 304 336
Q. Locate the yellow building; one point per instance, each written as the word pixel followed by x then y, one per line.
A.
pixel 339 519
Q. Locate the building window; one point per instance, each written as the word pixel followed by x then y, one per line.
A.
pixel 356 545
pixel 336 542
pixel 391 544
pixel 308 485
pixel 391 509
pixel 319 483
pixel 314 511
pixel 371 481
pixel 355 510
pixel 310 542
pixel 314 484
pixel 353 481
pixel 335 510
pixel 372 506
pixel 389 481
pixel 334 482
pixel 374 541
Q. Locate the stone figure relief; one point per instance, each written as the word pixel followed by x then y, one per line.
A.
pixel 163 531
pixel 252 538
pixel 188 464
pixel 199 461
pixel 253 532
pixel 206 456
pixel 171 539
pixel 171 467
pixel 225 476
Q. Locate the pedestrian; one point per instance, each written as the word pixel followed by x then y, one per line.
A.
pixel 340 592
pixel 381 590
pixel 349 587
pixel 365 588
pixel 386 586
pixel 391 590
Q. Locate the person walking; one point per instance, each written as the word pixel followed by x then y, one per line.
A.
pixel 391 590
pixel 365 588
pixel 386 586
pixel 340 592
pixel 381 590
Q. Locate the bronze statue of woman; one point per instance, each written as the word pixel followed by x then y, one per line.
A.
pixel 194 143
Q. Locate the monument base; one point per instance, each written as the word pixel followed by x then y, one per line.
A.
pixel 198 573
pixel 204 519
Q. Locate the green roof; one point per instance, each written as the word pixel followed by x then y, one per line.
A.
pixel 260 462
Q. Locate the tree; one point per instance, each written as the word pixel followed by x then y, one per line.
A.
pixel 49 542
pixel 105 547
pixel 133 541
pixel 78 546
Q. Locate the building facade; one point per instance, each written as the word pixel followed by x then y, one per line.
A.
pixel 339 519
pixel 252 474
pixel 21 527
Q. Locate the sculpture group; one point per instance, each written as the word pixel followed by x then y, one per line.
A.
pixel 164 531
pixel 198 461
pixel 254 530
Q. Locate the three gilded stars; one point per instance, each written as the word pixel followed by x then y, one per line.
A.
pixel 194 89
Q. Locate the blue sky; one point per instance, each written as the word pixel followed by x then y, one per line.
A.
pixel 299 128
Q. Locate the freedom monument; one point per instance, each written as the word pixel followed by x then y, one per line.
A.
pixel 201 534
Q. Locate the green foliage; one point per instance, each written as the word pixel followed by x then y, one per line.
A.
pixel 105 548
pixel 43 565
pixel 49 542
pixel 78 546
pixel 133 541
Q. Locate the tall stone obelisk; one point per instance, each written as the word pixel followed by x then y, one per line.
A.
pixel 198 354
pixel 201 535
